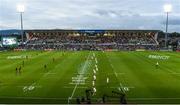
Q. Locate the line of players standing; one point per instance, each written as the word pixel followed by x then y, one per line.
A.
pixel 19 69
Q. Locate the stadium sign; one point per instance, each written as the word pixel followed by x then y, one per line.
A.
pixel 91 31
pixel 159 57
pixel 18 57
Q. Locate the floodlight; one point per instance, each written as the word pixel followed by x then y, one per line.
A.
pixel 167 8
pixel 20 8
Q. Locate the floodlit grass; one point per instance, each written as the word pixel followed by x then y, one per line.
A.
pixel 71 73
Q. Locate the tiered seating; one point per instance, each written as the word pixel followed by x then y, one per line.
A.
pixel 98 42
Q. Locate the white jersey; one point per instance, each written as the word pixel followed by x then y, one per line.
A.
pixel 94 77
pixel 96 66
pixel 107 80
pixel 94 71
pixel 93 83
pixel 94 89
pixel 96 60
pixel 157 63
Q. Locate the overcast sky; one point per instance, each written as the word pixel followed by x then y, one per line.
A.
pixel 90 14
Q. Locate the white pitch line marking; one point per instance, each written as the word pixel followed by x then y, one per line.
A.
pixel 120 84
pixel 82 71
pixel 49 73
pixel 73 87
pixel 175 73
pixel 125 86
pixel 37 98
pixel 153 98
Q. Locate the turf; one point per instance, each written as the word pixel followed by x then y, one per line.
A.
pixel 132 73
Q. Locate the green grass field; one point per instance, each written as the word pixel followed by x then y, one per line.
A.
pixel 71 73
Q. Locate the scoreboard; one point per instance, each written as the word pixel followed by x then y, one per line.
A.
pixel 9 41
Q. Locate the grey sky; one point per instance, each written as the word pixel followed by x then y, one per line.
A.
pixel 90 14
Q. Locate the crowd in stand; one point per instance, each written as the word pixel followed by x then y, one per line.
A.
pixel 96 42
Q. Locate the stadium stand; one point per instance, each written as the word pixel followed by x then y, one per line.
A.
pixel 173 41
pixel 92 39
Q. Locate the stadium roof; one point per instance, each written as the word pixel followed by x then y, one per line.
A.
pixel 89 30
pixel 10 32
pixel 18 32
